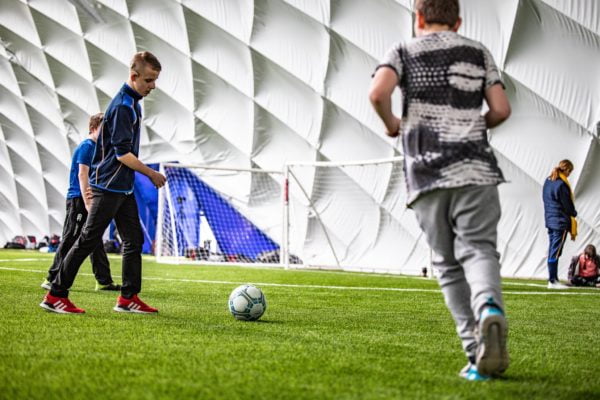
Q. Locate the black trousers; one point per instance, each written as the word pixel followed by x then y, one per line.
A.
pixel 105 207
pixel 581 281
pixel 75 218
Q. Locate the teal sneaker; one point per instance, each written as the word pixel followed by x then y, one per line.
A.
pixel 113 287
pixel 470 373
pixel 46 284
pixel 492 355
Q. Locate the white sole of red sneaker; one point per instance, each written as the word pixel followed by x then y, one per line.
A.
pixel 126 310
pixel 56 310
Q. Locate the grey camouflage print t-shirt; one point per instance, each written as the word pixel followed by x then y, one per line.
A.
pixel 443 77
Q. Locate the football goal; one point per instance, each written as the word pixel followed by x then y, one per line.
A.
pixel 327 215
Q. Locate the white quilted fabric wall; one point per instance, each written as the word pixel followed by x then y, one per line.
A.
pixel 258 83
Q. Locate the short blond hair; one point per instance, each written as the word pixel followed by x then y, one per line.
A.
pixel 143 58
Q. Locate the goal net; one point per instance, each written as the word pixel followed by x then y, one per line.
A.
pixel 219 215
pixel 328 215
pixel 353 216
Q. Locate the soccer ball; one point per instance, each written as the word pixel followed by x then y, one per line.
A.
pixel 247 303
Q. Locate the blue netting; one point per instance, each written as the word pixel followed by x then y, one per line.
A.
pixel 191 198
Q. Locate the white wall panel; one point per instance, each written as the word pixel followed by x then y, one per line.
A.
pixel 220 52
pixel 62 12
pixel 371 26
pixel 9 203
pixel 234 16
pixel 317 9
pixel 114 35
pixel 348 79
pixel 63 45
pixel 491 22
pixel 292 39
pixel 30 57
pixel 340 133
pixel 557 58
pixel 585 12
pixel 163 18
pixel 275 143
pixel 225 109
pixel 15 16
pixel 288 98
pixel 119 6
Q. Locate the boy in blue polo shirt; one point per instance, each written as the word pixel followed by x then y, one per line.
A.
pixel 451 171
pixel 77 212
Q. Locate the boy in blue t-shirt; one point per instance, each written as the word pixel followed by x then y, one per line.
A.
pixel 77 210
pixel 451 171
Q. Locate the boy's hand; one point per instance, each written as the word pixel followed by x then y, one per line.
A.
pixel 87 198
pixel 158 179
pixel 394 129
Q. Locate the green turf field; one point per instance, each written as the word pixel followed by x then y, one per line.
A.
pixel 325 335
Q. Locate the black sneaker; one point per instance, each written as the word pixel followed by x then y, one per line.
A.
pixel 113 287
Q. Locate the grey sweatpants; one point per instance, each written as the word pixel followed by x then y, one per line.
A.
pixel 461 228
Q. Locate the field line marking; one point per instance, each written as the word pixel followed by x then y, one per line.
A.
pixel 332 287
pixel 350 273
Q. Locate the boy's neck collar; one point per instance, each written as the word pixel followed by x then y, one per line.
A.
pixel 428 29
pixel 127 87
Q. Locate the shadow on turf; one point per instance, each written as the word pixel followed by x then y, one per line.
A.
pixel 261 321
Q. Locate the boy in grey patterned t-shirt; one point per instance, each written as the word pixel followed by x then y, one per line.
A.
pixel 451 171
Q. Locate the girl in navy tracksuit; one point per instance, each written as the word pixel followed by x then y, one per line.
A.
pixel 559 213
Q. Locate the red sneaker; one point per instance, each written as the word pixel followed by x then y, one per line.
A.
pixel 61 305
pixel 134 305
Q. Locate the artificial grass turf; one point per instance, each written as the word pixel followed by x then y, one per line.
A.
pixel 312 343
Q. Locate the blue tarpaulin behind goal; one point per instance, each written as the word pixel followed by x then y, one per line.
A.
pixel 146 197
pixel 191 198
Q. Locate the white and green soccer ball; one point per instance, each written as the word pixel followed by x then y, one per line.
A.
pixel 247 303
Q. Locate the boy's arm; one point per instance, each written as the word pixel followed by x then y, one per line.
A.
pixel 499 107
pixel 131 161
pixel 380 94
pixel 84 184
pixel 122 140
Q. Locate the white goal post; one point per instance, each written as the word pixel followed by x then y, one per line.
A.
pixel 327 215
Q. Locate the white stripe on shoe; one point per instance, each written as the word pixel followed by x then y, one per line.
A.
pixel 54 308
